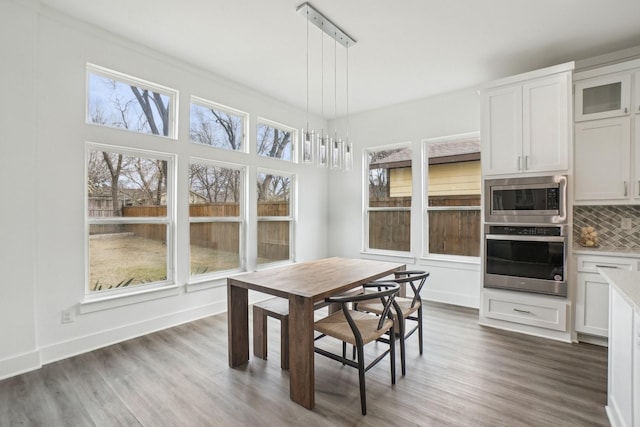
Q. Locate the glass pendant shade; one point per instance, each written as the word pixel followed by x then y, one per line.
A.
pixel 323 151
pixel 336 154
pixel 347 160
pixel 308 145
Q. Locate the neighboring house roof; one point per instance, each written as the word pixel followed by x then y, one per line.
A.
pixel 439 152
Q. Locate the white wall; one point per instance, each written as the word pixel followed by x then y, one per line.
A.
pixel 42 184
pixel 448 114
pixel 17 180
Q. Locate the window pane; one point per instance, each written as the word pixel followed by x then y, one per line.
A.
pixel 124 105
pixel 273 241
pixel 210 126
pixel 454 179
pixel 390 188
pixel 138 185
pixel 274 142
pixel 454 232
pixel 123 255
pixel 215 246
pixel 390 177
pixel 215 190
pixel 390 230
pixel 273 195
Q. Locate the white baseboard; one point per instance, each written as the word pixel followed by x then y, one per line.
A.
pixel 20 364
pixel 79 345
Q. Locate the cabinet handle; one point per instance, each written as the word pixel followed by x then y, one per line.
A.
pixel 606 266
pixel 625 189
pixel 526 162
pixel 517 310
pixel 519 163
pixel 638 188
pixel 626 110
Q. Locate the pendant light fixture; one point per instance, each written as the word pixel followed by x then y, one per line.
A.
pixel 336 152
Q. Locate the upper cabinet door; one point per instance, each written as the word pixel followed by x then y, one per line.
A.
pixel 502 130
pixel 602 97
pixel 546 123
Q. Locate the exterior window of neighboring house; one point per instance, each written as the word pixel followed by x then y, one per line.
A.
pixel 216 216
pixel 275 140
pixel 453 195
pixel 120 101
pixel 217 126
pixel 275 216
pixel 388 211
pixel 130 218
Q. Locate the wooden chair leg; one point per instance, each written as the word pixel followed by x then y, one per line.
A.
pixel 259 333
pixel 284 342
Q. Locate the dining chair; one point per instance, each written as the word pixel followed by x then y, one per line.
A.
pixel 358 329
pixel 405 308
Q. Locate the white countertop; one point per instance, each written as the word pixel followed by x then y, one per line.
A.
pixel 632 253
pixel 626 282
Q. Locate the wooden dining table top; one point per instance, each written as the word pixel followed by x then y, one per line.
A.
pixel 316 279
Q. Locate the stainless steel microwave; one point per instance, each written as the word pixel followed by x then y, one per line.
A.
pixel 532 200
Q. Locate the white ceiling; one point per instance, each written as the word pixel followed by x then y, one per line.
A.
pixel 405 50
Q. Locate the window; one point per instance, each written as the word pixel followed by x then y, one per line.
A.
pixel 129 211
pixel 275 217
pixel 388 211
pixel 276 141
pixel 217 126
pixel 216 215
pixel 120 101
pixel 453 195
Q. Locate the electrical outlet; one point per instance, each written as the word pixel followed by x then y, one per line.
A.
pixel 625 224
pixel 67 316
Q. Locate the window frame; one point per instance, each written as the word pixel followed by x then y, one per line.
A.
pixel 202 102
pixel 240 219
pixel 425 254
pixel 291 218
pixel 169 220
pixel 366 209
pixel 131 80
pixel 294 139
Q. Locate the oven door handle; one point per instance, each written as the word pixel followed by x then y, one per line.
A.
pixel 526 238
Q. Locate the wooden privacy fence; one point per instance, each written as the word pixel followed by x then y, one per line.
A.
pixel 453 232
pixel 273 236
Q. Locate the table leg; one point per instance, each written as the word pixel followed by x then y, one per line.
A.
pixel 238 325
pixel 301 356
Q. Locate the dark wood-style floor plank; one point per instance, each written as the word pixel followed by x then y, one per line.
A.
pixel 468 376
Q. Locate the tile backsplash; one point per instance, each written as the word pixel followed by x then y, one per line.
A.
pixel 607 221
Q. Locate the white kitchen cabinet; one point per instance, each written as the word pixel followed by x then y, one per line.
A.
pixel 636 97
pixel 620 405
pixel 603 160
pixel 592 292
pixel 602 97
pixel 526 122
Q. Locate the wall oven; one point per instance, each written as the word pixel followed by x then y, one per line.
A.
pixel 537 200
pixel 526 235
pixel 529 258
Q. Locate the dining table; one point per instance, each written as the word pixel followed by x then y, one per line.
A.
pixel 303 285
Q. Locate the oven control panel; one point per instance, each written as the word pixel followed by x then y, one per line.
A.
pixel 518 230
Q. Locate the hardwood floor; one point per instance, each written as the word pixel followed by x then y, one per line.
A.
pixel 468 376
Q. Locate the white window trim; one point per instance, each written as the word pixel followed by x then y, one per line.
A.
pixel 293 192
pixel 366 250
pixel 279 126
pixel 125 78
pixel 169 221
pixel 203 280
pixel 201 102
pixel 425 254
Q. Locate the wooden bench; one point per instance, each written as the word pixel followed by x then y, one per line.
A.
pixel 277 308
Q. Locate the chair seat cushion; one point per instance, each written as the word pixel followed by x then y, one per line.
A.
pixel 336 326
pixel 374 306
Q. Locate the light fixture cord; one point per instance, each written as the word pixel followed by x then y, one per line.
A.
pixel 347 87
pixel 307 71
pixel 335 86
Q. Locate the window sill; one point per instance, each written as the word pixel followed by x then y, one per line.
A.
pixel 458 262
pixel 389 256
pixel 91 305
